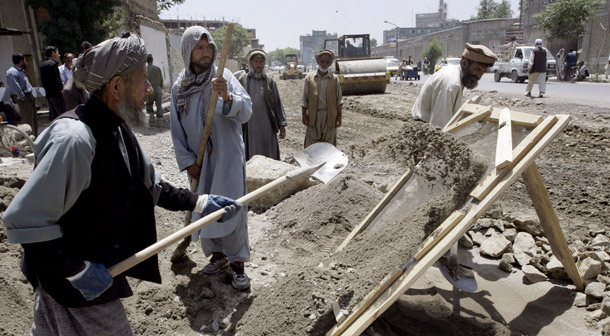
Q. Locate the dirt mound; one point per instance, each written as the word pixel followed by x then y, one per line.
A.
pixel 310 225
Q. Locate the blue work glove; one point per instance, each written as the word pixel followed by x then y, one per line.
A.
pixel 92 281
pixel 216 202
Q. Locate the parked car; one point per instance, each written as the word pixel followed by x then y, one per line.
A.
pixel 446 61
pixel 517 65
pixel 392 66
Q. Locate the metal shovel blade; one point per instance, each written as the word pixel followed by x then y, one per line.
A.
pixel 320 152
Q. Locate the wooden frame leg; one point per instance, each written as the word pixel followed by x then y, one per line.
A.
pixel 550 223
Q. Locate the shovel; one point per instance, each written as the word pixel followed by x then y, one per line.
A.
pixel 209 219
pixel 311 156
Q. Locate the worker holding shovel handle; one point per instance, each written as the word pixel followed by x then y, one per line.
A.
pixel 90 201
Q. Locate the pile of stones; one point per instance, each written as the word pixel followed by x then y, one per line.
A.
pixel 520 243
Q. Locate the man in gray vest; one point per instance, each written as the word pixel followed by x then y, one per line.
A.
pixel 268 116
pixel 537 72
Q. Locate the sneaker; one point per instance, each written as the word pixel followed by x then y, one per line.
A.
pixel 218 262
pixel 239 279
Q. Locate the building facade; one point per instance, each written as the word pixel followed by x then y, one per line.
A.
pixel 310 43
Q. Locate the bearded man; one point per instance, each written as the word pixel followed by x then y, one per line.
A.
pixel 223 170
pixel 89 203
pixel 268 116
pixel 441 95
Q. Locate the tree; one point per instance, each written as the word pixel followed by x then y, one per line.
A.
pixel 433 52
pixel 503 11
pixel 167 4
pixel 239 39
pixel 567 19
pixel 490 9
pixel 373 43
pixel 71 22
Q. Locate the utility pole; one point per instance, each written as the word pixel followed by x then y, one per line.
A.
pixel 397 32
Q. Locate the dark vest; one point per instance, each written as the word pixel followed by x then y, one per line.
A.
pixel 111 220
pixel 244 79
pixel 539 60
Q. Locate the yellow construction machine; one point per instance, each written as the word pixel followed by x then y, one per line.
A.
pixel 358 72
pixel 291 67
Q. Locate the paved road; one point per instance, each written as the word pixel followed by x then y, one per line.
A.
pixel 586 93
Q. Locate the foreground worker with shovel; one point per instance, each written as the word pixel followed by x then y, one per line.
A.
pixel 90 201
pixel 196 116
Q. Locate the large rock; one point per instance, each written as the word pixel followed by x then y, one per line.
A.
pixel 601 240
pixel 589 268
pixel 465 241
pixel 524 248
pixel 495 245
pixel 595 289
pixel 510 234
pixel 554 264
pixel 533 274
pixel 530 226
pixel 477 237
pixel 261 170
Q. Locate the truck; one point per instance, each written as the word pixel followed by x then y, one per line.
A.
pixel 515 64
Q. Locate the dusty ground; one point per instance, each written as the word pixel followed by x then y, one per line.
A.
pixel 292 295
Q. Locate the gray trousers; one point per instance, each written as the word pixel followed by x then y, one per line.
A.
pixel 236 246
pixel 320 132
pixel 27 110
pixel 53 319
pixel 157 98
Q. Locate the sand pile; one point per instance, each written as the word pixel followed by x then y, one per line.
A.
pixel 308 227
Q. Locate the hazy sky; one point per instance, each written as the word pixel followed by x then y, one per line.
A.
pixel 279 24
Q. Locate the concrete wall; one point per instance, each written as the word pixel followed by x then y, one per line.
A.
pixel 6 56
pixel 595 43
pixel 154 37
pixel 175 55
pixel 491 33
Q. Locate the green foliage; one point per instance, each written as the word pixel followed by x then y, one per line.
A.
pixel 567 19
pixel 71 22
pixel 490 9
pixel 167 4
pixel 279 54
pixel 373 43
pixel 433 51
pixel 239 39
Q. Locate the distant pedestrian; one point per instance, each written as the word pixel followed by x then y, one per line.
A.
pixel 570 61
pixel 51 81
pixel 322 102
pixel 537 70
pixel 20 90
pixel 155 77
pixel 268 118
pixel 65 70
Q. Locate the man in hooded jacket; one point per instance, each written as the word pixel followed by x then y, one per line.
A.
pixel 223 170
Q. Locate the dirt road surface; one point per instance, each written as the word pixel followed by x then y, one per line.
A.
pixel 296 276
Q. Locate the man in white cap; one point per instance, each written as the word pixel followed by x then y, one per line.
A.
pixel 322 102
pixel 223 170
pixel 537 70
pixel 268 118
pixel 441 95
pixel 89 203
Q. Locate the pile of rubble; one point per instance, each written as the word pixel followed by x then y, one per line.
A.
pixel 521 243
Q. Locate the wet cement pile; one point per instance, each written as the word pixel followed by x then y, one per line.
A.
pixel 308 227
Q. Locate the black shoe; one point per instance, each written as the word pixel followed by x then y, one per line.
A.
pixel 240 280
pixel 218 262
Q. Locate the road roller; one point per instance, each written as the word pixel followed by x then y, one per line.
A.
pixel 358 72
